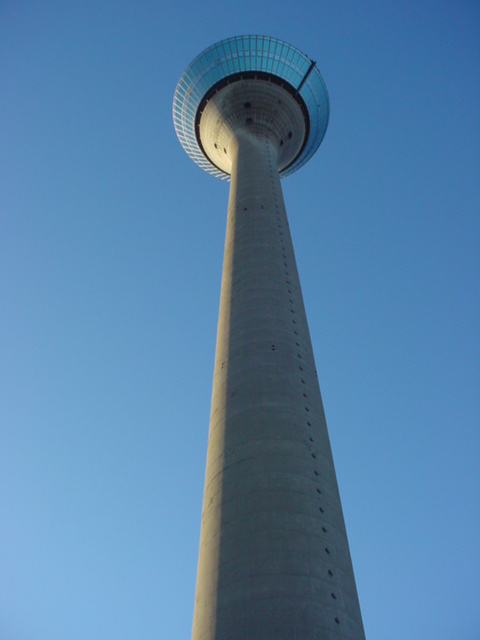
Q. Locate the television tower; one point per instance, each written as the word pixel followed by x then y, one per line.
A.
pixel 274 561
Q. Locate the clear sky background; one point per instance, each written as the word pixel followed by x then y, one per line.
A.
pixel 111 245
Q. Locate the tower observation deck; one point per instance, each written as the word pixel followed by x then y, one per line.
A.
pixel 274 561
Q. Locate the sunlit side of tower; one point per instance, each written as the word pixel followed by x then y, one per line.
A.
pixel 274 561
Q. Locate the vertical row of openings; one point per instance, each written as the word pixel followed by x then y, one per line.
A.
pixel 305 395
pixel 303 382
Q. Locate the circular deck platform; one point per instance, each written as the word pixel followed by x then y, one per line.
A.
pixel 225 73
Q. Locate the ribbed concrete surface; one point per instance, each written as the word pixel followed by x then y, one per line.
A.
pixel 274 561
pixel 258 107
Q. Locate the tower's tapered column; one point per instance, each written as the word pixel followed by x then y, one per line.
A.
pixel 274 562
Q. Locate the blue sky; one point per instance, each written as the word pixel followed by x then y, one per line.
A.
pixel 111 245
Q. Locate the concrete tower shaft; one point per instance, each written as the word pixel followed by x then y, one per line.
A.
pixel 273 561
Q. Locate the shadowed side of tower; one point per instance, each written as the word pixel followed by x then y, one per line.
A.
pixel 273 560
